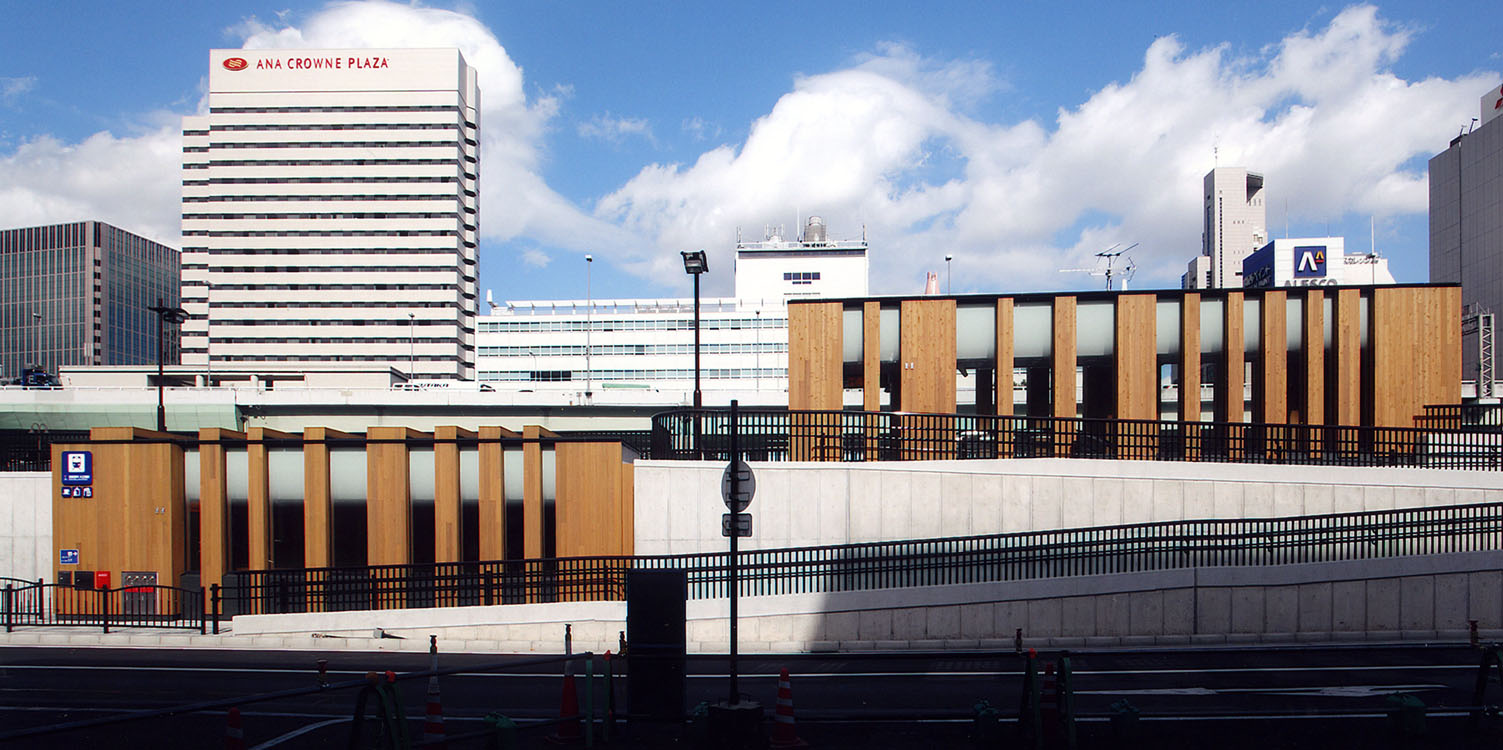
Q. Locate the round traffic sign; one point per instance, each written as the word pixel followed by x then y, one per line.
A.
pixel 746 486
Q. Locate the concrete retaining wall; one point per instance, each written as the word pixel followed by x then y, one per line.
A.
pixel 26 525
pixel 678 504
pixel 1424 598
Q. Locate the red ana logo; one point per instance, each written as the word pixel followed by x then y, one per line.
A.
pixel 235 63
pixel 1499 105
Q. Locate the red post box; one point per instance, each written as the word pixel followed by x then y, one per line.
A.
pixel 101 579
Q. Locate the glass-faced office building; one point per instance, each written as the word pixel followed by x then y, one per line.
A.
pixel 79 293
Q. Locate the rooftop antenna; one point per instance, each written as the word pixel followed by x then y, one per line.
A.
pixel 1110 254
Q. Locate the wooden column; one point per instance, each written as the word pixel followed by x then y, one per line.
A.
pixel 258 497
pixel 493 492
pixel 814 355
pixel 1230 391
pixel 1064 356
pixel 1416 350
pixel 213 505
pixel 1313 398
pixel 388 505
pixel 318 497
pixel 448 519
pixel 1347 348
pixel 1189 371
pixel 871 356
pixel 135 519
pixel 1272 403
pixel 1063 371
pixel 815 376
pixel 589 508
pixel 532 491
pixel 1136 357
pixel 926 349
pixel 1002 377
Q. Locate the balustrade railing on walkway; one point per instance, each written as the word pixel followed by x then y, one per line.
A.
pixel 886 565
pixel 33 603
pixel 776 435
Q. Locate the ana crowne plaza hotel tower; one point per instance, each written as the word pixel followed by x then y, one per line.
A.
pixel 330 209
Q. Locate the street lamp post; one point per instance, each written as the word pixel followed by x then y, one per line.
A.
pixel 411 345
pixel 696 263
pixel 165 315
pixel 948 276
pixel 36 319
pixel 589 323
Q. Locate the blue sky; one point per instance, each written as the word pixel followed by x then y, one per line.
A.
pixel 1021 138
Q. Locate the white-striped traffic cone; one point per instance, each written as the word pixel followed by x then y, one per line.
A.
pixel 784 734
pixel 433 718
pixel 234 734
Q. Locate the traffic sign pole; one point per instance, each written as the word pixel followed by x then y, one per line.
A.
pixel 735 694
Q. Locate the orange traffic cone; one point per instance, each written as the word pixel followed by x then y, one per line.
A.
pixel 433 719
pixel 784 734
pixel 569 731
pixel 234 734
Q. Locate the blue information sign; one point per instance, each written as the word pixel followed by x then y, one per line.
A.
pixel 67 557
pixel 78 467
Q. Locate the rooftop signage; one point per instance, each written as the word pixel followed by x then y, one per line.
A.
pixel 1492 104
pixel 305 62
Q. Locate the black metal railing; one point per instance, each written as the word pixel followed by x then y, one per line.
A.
pixel 1472 417
pixel 886 565
pixel 31 450
pixel 154 606
pixel 776 435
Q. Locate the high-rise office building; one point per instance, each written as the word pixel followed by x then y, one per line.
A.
pixel 330 211
pixel 79 293
pixel 1466 218
pixel 1234 224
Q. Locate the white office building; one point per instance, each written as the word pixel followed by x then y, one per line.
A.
pixel 642 350
pixel 1313 261
pixel 1234 224
pixel 330 211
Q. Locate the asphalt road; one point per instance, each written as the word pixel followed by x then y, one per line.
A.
pixel 1254 697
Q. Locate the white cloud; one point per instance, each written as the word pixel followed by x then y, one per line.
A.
pixel 613 129
pixel 536 258
pixel 131 182
pixel 1320 113
pixel 14 86
pixel 699 129
pixel 893 143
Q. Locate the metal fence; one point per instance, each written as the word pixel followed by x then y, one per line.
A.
pixel 31 450
pixel 776 435
pixel 1471 417
pixel 32 603
pixel 886 565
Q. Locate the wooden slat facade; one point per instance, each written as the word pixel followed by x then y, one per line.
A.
pixel 1315 384
pixel 137 517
